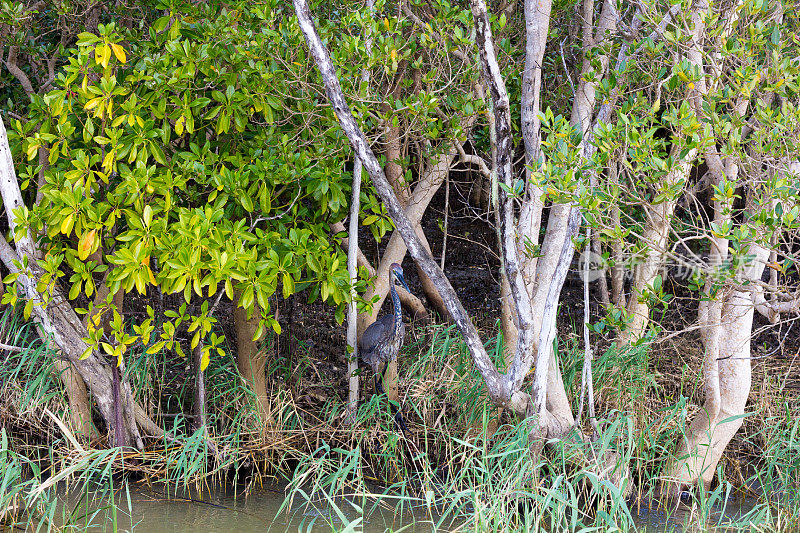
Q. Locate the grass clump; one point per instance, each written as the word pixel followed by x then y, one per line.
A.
pixel 464 464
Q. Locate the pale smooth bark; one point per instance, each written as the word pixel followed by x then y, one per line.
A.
pixel 352 308
pixel 659 216
pixel 727 381
pixel 199 389
pixel 80 407
pixel 725 313
pixel 352 259
pixel 57 319
pixel 537 23
pixel 617 268
pixel 586 93
pixel 654 238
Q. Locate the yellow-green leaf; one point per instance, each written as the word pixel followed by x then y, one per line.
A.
pixel 32 150
pixel 86 353
pixel 85 244
pixel 119 52
pixel 179 125
pixel 74 291
pixel 106 56
pixel 156 347
pixel 66 225
pixel 288 285
pixel 150 274
pixel 98 53
pixel 204 360
pixel 94 102
pixel 259 331
pixel 141 282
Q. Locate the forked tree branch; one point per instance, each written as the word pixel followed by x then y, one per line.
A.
pixel 503 163
pixel 494 382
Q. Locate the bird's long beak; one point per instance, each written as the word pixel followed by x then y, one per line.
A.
pixel 403 281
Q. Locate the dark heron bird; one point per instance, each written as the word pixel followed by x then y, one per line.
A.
pixel 381 342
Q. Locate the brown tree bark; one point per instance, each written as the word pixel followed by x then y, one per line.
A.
pixel 80 407
pixel 199 408
pixel 252 361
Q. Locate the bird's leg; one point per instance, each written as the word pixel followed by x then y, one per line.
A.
pixel 400 421
pixel 378 385
pixel 398 414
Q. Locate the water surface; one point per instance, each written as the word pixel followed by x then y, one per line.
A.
pixel 152 509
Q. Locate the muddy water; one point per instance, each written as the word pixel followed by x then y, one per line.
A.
pixel 686 518
pixel 144 509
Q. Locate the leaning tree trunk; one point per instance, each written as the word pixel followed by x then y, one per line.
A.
pixel 495 384
pixel 396 249
pixel 655 238
pixel 57 319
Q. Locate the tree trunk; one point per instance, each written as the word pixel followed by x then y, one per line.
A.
pixel 251 361
pixel 80 408
pixel 655 238
pixel 55 316
pixel 352 308
pixel 199 389
pixel 728 356
pixel 495 384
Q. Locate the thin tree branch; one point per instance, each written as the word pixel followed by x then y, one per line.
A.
pixel 483 362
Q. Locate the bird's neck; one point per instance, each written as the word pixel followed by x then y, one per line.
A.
pixel 398 311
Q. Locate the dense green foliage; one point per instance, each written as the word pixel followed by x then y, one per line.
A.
pixel 189 149
pixel 197 155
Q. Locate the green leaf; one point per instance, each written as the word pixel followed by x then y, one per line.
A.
pixel 259 331
pixel 247 203
pixel 158 154
pixel 74 291
pixel 160 24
